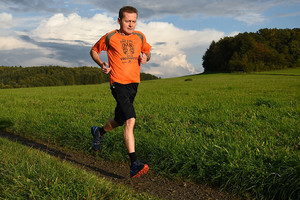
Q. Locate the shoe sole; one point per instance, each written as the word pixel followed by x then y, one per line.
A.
pixel 95 150
pixel 142 171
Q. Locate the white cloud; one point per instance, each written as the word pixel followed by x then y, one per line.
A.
pixel 10 43
pixel 170 66
pixel 6 20
pixel 171 44
pixel 292 14
pixel 73 28
pixel 18 52
pixel 33 5
pixel 248 11
pixel 233 34
pixel 251 18
pixel 44 60
pixel 8 23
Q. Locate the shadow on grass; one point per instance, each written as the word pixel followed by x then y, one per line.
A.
pixel 5 123
pixel 52 150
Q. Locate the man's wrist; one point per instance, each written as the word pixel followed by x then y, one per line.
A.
pixel 148 57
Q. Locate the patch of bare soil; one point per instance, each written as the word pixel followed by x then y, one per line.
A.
pixel 119 173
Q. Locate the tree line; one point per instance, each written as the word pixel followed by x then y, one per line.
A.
pixel 19 77
pixel 267 49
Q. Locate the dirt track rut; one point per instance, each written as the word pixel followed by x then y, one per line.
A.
pixel 119 172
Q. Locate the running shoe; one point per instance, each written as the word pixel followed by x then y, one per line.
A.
pixel 97 138
pixel 137 169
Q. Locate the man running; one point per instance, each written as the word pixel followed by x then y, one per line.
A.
pixel 126 49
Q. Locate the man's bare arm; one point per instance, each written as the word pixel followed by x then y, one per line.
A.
pixel 97 60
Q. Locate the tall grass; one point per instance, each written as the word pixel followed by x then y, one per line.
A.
pixel 237 131
pixel 27 173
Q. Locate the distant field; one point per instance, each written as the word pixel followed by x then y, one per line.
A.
pixel 238 131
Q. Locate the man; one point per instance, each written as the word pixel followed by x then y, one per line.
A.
pixel 126 50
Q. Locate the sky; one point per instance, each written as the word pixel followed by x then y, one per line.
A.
pixel 62 32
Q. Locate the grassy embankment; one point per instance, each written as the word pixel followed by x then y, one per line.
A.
pixel 26 173
pixel 238 131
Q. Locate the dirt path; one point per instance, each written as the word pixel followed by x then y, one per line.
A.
pixel 119 172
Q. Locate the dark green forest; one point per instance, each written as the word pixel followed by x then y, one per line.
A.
pixel 267 49
pixel 19 77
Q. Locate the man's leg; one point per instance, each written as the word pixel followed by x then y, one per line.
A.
pixel 110 125
pixel 128 135
pixel 98 133
pixel 137 168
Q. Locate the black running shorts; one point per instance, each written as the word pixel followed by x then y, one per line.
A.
pixel 124 95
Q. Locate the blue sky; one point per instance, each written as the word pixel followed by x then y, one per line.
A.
pixel 53 32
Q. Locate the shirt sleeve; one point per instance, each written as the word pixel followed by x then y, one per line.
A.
pixel 100 45
pixel 146 46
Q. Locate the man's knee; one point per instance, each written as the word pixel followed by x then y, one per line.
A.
pixel 110 125
pixel 130 122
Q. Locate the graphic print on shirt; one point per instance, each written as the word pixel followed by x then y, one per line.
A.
pixel 128 50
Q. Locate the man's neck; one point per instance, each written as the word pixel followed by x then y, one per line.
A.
pixel 122 33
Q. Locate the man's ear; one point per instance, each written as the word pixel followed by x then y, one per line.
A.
pixel 119 20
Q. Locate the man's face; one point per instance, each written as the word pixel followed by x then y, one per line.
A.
pixel 127 23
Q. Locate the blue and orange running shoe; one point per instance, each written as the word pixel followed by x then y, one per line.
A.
pixel 137 169
pixel 97 138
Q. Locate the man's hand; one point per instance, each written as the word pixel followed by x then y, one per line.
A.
pixel 143 59
pixel 103 65
pixel 105 69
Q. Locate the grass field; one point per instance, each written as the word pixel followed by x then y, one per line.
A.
pixel 26 173
pixel 237 131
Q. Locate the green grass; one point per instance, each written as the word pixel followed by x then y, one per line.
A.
pixel 26 173
pixel 237 131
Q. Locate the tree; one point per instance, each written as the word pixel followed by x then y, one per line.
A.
pixel 15 77
pixel 267 49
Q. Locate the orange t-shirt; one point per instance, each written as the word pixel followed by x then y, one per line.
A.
pixel 123 55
